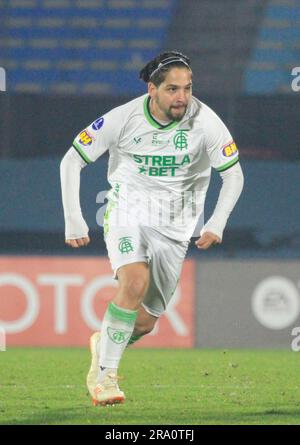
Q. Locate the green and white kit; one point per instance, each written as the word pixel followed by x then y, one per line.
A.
pixel 149 159
pixel 159 175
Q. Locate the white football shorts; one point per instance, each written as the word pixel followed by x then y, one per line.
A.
pixel 164 255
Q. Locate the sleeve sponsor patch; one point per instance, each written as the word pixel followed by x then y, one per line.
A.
pixel 97 124
pixel 229 150
pixel 85 138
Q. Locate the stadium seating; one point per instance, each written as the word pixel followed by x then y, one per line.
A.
pixel 218 37
pixel 277 49
pixel 80 46
pixel 97 46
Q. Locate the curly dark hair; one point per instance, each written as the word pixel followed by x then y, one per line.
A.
pixel 153 73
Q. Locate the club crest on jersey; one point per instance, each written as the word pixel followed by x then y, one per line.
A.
pixel 98 123
pixel 85 138
pixel 180 140
pixel 125 244
pixel 229 150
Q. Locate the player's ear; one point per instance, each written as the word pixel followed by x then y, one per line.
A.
pixel 151 89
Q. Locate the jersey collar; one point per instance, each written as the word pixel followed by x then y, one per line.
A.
pixel 154 122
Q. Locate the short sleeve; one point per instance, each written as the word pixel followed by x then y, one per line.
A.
pixel 99 136
pixel 220 147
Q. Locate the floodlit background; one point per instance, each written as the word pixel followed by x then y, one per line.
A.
pixel 66 63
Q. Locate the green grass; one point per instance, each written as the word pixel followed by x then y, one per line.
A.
pixel 163 387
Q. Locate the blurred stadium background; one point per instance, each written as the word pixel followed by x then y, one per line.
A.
pixel 67 62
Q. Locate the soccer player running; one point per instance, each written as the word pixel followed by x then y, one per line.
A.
pixel 162 146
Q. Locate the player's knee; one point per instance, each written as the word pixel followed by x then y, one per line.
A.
pixel 135 287
pixel 134 279
pixel 133 284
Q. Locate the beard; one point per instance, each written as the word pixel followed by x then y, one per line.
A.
pixel 173 113
pixel 176 114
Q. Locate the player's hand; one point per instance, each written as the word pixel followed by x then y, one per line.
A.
pixel 80 242
pixel 207 240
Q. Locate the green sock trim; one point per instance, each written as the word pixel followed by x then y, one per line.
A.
pixel 122 314
pixel 133 339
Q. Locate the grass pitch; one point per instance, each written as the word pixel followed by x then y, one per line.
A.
pixel 163 387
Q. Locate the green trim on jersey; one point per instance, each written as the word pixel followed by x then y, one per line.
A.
pixel 151 119
pixel 81 152
pixel 110 206
pixel 228 165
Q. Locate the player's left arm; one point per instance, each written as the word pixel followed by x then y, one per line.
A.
pixel 232 186
pixel 224 157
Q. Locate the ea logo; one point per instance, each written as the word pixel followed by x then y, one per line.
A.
pixel 276 302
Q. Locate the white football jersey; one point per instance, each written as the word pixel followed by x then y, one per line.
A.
pixel 159 174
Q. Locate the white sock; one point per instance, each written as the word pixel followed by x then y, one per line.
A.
pixel 103 371
pixel 116 330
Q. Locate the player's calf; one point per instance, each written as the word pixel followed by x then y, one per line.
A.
pixel 144 325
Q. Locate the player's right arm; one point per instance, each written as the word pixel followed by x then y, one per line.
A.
pixel 88 145
pixel 76 229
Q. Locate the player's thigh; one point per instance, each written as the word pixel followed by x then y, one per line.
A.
pixel 126 246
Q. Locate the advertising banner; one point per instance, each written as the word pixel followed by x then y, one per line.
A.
pixel 248 304
pixel 60 301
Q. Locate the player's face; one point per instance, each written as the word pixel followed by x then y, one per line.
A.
pixel 173 95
